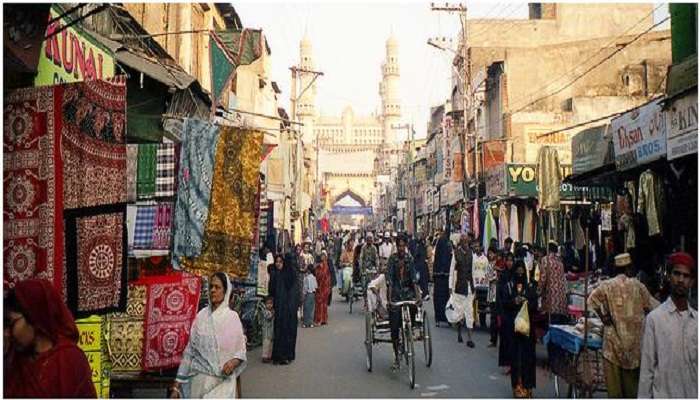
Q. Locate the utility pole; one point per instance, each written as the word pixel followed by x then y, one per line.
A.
pixel 466 89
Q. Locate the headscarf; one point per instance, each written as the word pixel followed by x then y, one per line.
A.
pixel 216 337
pixel 45 310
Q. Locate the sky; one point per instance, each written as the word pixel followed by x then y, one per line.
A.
pixel 349 40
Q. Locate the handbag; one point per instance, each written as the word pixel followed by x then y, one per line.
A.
pixel 453 311
pixel 522 321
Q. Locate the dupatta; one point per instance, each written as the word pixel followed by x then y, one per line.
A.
pixel 216 337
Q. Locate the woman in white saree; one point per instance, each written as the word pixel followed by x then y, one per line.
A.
pixel 216 353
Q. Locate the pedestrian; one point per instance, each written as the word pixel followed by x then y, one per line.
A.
pixel 669 360
pixel 462 287
pixel 310 286
pixel 523 360
pixel 508 245
pixel 386 249
pixel 333 275
pixel 268 330
pixel 420 259
pixel 346 268
pixel 552 287
pixel 43 359
pixel 216 352
pixel 441 276
pixel 481 284
pixel 492 277
pixel 621 303
pixel 285 293
pixel 324 287
pixel 369 258
pixel 506 320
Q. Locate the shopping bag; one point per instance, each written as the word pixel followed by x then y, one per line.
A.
pixel 453 311
pixel 522 321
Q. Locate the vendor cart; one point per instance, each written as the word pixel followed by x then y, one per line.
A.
pixel 578 364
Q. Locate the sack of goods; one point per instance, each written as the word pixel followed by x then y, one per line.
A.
pixel 522 321
pixel 453 311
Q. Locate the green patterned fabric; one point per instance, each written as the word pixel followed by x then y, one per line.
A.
pixel 146 171
pixel 246 46
pixel 222 67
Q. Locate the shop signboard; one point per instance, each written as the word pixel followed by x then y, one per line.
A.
pixel 451 193
pixel 495 181
pixel 589 148
pixel 682 123
pixel 521 181
pixel 72 55
pixel 639 136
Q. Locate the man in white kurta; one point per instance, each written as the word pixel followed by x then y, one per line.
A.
pixel 461 285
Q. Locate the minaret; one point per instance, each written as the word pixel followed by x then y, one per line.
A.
pixel 389 91
pixel 306 108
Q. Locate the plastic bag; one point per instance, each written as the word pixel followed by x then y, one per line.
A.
pixel 453 311
pixel 522 321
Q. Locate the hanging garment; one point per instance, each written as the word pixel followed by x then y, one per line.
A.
pixel 528 235
pixel 650 201
pixel 143 231
pixel 162 226
pixel 578 233
pixel 228 236
pixel 549 178
pixel 490 230
pixel 514 227
pixel 626 225
pixel 503 224
pixel 126 332
pixel 165 170
pixel 631 189
pixel 476 212
pixel 199 145
pixel 131 210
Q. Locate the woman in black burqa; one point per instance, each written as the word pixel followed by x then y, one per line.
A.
pixel 284 292
pixel 441 276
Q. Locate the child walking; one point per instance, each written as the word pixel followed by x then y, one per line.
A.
pixel 268 330
pixel 310 287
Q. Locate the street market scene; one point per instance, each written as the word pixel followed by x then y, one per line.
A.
pixel 397 199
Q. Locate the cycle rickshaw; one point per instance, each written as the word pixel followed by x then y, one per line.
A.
pixel 378 331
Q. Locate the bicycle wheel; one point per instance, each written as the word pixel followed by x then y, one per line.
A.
pixel 408 348
pixel 427 341
pixel 369 339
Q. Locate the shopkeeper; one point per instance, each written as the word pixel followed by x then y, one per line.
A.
pixel 622 303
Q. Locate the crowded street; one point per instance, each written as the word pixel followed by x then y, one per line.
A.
pixel 341 199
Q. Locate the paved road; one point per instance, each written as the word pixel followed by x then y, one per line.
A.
pixel 331 363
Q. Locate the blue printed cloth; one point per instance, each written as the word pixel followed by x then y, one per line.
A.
pixel 566 337
pixel 199 141
pixel 143 231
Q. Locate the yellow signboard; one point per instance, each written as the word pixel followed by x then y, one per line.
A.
pixel 71 55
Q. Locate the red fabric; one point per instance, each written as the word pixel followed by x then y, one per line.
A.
pixel 171 305
pixel 64 370
pixel 33 192
pixel 323 278
pixel 681 258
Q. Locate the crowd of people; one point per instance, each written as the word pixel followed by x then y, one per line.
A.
pixel 649 343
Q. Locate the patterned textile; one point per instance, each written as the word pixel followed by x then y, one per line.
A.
pixel 96 109
pixel 549 178
pixel 651 201
pixel 33 179
pixel 171 306
pixel 625 301
pixel 552 285
pixel 194 186
pixel 146 171
pixel 162 224
pixel 96 260
pixel 165 170
pixel 156 265
pixel 132 153
pixel 229 231
pixel 145 220
pixel 93 150
pixel 126 332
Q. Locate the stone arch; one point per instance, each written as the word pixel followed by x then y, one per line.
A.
pixel 352 195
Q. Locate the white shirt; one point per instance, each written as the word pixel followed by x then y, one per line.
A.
pixel 386 250
pixel 480 265
pixel 310 284
pixel 669 366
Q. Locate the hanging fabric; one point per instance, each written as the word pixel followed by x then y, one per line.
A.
pixel 165 170
pixel 549 178
pixel 503 223
pixel 528 225
pixel 126 332
pixel 514 228
pixel 490 230
pixel 650 201
pixel 132 153
pixel 476 214
pixel 146 175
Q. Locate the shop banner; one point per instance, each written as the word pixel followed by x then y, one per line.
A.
pixel 589 148
pixel 495 181
pixel 682 123
pixel 521 181
pixel 451 193
pixel 71 55
pixel 639 136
